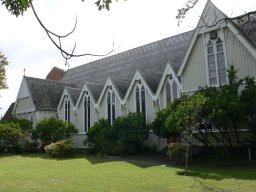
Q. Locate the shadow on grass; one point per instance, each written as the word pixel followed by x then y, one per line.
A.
pixel 201 172
pixel 220 173
pixel 139 161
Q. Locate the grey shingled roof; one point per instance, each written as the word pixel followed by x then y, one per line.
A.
pixel 151 58
pixel 248 27
pixel 8 113
pixel 121 85
pixel 46 94
pixel 151 79
pixel 74 94
pixel 95 89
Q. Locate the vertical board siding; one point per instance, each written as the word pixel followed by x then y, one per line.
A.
pixel 194 74
pixel 239 56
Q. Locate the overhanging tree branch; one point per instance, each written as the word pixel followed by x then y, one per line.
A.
pixel 66 55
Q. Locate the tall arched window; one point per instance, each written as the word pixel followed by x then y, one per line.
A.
pixel 140 100
pixel 67 110
pixel 171 89
pixel 111 106
pixel 168 92
pixel 216 62
pixel 87 113
pixel 113 112
pixel 174 90
pixel 137 98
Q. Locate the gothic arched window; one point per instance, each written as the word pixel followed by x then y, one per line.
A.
pixel 111 106
pixel 140 100
pixel 67 110
pixel 87 113
pixel 217 71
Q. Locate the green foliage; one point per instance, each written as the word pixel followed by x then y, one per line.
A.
pixel 30 147
pixel 24 124
pixel 53 130
pixel 10 137
pixel 224 107
pixel 186 114
pixel 16 7
pixel 248 97
pixel 125 137
pixel 100 138
pixel 3 63
pixel 64 148
pixel 131 131
pixel 159 124
pixel 177 152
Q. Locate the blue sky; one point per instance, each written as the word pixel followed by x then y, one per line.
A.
pixel 130 24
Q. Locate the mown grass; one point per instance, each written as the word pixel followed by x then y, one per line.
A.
pixel 36 172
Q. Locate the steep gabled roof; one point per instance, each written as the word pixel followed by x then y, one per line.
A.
pixel 46 94
pixel 73 93
pixel 211 17
pixel 247 25
pixel 151 79
pixel 150 58
pixel 95 90
pixel 121 85
pixel 8 113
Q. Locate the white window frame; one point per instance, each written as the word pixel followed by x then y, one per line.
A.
pixel 215 53
pixel 171 83
pixel 139 87
pixel 67 109
pixel 112 94
pixel 87 120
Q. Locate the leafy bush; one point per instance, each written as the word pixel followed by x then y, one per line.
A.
pixel 29 147
pixel 64 148
pixel 53 130
pixel 10 137
pixel 99 137
pixel 131 132
pixel 24 124
pixel 177 152
pixel 124 137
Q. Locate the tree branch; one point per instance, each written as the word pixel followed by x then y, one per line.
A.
pixel 65 54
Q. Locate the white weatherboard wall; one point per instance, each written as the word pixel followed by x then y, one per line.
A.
pixel 150 110
pixel 24 103
pixel 194 73
pixel 162 97
pixel 130 103
pixel 103 107
pixel 239 56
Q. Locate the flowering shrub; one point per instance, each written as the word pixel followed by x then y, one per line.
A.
pixel 51 130
pixel 62 148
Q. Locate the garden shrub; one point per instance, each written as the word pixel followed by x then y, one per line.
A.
pixel 64 148
pixel 177 152
pixel 24 124
pixel 131 132
pixel 124 137
pixel 51 130
pixel 99 137
pixel 11 137
pixel 30 147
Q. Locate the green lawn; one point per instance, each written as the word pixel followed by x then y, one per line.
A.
pixel 86 173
